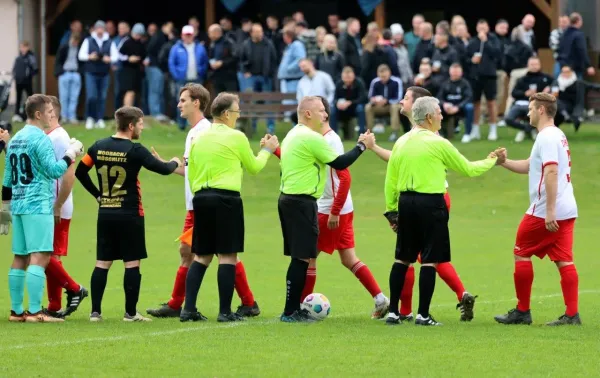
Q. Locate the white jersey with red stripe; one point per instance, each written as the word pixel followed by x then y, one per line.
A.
pixel 551 147
pixel 204 124
pixel 60 142
pixel 333 182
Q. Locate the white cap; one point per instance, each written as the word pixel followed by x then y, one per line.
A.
pixel 396 29
pixel 188 29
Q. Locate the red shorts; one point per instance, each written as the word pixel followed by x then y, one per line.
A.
pixel 534 240
pixel 448 204
pixel 189 220
pixel 61 237
pixel 339 238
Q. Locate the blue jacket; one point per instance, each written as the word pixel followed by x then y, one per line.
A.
pixel 91 45
pixel 391 91
pixel 572 50
pixel 289 68
pixel 178 61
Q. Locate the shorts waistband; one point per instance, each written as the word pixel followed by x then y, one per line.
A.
pixel 417 194
pixel 223 192
pixel 300 196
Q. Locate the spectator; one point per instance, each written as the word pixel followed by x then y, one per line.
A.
pixel 456 20
pixel 97 53
pixel 424 78
pixel 222 61
pixel 274 34
pixel 527 25
pixel 534 81
pixel 123 32
pixel 385 93
pixel 330 60
pixel 243 33
pixel 227 26
pixel 314 82
pixel 309 38
pixel 151 30
pixel 373 57
pixel 67 70
pixel 424 48
pixel 333 22
pixel 75 28
pixel 24 69
pixel 321 33
pixel 413 37
pixel 163 58
pixel 516 57
pixel 154 74
pixel 572 50
pixel 456 99
pixel 443 57
pixel 350 99
pixel 484 50
pixel 298 16
pixel 350 45
pixel 132 54
pixel 403 62
pixel 289 72
pixel 570 97
pixel 554 42
pixel 387 45
pixel 501 33
pixel 258 61
pixel 111 29
pixel 199 34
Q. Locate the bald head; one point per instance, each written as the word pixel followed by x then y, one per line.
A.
pixel 311 112
pixel 426 30
pixel 215 32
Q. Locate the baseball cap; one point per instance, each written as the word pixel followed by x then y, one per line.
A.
pixel 396 29
pixel 188 29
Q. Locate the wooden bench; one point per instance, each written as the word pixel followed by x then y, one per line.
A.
pixel 263 105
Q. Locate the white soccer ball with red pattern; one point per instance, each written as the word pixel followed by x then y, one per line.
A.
pixel 317 305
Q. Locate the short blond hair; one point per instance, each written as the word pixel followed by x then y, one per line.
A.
pixel 547 101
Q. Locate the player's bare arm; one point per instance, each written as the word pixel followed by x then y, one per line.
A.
pixel 382 153
pixel 68 180
pixel 180 170
pixel 517 166
pixel 151 163
pixel 551 185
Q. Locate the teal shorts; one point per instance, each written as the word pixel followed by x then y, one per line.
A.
pixel 32 233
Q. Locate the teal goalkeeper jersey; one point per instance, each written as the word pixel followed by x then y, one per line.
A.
pixel 30 170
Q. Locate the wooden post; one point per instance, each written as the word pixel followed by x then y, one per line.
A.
pixel 380 15
pixel 544 7
pixel 556 6
pixel 210 15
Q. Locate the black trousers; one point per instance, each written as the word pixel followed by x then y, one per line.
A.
pixel 26 87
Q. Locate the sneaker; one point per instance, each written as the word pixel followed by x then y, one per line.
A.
pixel 502 123
pixel 429 321
pixel 89 123
pixel 100 124
pixel 249 311
pixel 164 311
pixel 16 318
pixel 40 317
pixel 515 316
pixel 393 319
pixel 466 138
pixel 95 317
pixel 73 121
pixel 520 137
pixel 566 320
pixel 475 133
pixel 466 307
pixel 74 300
pixel 493 133
pixel 55 314
pixel 379 129
pixel 137 318
pixel 381 309
pixel 393 137
pixel 299 316
pixel 187 316
pixel 17 118
pixel 231 317
pixel 407 318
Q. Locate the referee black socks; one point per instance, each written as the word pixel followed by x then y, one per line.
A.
pixel 226 281
pixel 397 276
pixel 132 280
pixel 97 285
pixel 426 288
pixel 192 285
pixel 295 279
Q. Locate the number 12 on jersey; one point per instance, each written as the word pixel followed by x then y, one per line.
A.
pixel 119 175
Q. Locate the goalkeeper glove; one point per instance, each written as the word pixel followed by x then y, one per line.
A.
pixel 392 217
pixel 5 218
pixel 75 149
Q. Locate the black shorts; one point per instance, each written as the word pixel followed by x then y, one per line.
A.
pixel 299 225
pixel 120 238
pixel 423 228
pixel 218 222
pixel 484 85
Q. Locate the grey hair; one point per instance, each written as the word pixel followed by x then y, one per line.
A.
pixel 422 107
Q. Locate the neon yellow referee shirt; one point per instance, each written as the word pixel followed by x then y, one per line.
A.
pixel 218 156
pixel 419 162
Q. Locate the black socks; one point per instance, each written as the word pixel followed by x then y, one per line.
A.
pixel 295 279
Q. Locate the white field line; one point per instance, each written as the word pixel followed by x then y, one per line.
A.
pixel 212 326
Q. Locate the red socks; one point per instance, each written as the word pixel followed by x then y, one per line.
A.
pixel 178 294
pixel 523 282
pixel 241 285
pixel 447 272
pixel 54 294
pixel 309 284
pixel 569 282
pixel 364 275
pixel 57 272
pixel 407 292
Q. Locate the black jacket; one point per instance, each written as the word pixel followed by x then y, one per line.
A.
pixel 516 55
pixel 269 60
pixel 572 50
pixel 25 68
pixel 370 61
pixel 491 57
pixel 539 79
pixel 223 50
pixel 331 62
pixel 423 50
pixel 505 42
pixel 154 46
pixel 458 93
pixel 446 56
pixel 349 50
pixel 61 58
pixel 356 92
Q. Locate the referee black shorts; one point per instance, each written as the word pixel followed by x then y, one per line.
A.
pixel 423 228
pixel 484 85
pixel 218 222
pixel 299 225
pixel 122 238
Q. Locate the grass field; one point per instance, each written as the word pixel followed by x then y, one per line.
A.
pixel 485 214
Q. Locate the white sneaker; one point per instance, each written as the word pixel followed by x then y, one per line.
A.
pixel 534 134
pixel 137 318
pixel 466 138
pixel 393 137
pixel 379 128
pixel 381 309
pixel 89 123
pixel 502 123
pixel 475 133
pixel 100 124
pixel 493 134
pixel 17 118
pixel 520 137
pixel 95 317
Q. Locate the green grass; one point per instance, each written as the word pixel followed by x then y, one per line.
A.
pixel 485 214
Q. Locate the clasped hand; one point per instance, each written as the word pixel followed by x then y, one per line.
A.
pixel 269 142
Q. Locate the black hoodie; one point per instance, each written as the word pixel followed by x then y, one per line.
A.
pixel 539 79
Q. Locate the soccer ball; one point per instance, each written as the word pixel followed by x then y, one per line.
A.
pixel 317 305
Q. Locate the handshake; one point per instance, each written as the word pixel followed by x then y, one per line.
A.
pixel 270 142
pixel 75 149
pixel 499 153
pixel 368 139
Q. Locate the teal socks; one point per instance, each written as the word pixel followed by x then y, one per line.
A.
pixel 36 279
pixel 16 286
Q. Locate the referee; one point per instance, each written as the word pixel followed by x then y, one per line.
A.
pixel 416 175
pixel 215 168
pixel 304 154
